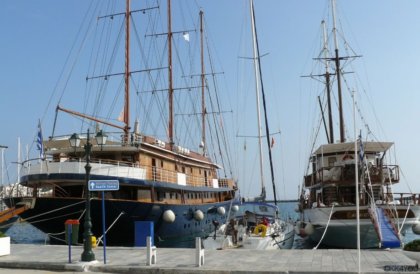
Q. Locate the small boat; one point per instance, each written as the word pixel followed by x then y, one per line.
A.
pixel 347 199
pixel 163 168
pixel 255 224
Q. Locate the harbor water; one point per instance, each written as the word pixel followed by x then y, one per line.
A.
pixel 25 233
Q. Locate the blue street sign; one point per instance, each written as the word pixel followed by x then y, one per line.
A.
pixel 104 185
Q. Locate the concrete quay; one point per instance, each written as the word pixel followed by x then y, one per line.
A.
pixel 182 260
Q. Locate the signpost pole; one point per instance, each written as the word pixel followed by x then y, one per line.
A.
pixel 70 239
pixel 104 185
pixel 103 224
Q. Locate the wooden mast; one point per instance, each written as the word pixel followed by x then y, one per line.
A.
pixel 127 73
pixel 327 83
pixel 203 103
pixel 170 88
pixel 338 73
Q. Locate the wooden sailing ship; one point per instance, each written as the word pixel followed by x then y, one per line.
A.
pixel 177 189
pixel 347 191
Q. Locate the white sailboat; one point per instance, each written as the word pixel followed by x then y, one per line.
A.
pixel 255 223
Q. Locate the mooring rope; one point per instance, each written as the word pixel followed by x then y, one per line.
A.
pixel 325 231
pixel 54 210
pixel 106 231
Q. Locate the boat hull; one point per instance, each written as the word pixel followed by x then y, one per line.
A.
pixel 342 233
pixel 50 214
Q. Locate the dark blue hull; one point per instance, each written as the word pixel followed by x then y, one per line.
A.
pixel 121 217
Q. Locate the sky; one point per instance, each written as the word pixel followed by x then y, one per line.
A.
pixel 37 36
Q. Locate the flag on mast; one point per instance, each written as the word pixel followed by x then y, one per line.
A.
pixel 121 116
pixel 361 149
pixel 39 142
pixel 186 36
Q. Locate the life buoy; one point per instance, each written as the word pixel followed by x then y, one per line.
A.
pixel 260 228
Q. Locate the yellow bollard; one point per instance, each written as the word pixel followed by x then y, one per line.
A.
pixel 93 239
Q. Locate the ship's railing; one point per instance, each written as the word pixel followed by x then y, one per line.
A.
pixel 402 198
pixel 337 174
pixel 164 175
pixel 121 169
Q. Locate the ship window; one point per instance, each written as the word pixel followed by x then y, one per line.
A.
pixel 127 158
pixel 143 194
pixel 160 195
pixel 331 161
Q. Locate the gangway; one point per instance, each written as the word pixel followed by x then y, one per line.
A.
pixel 387 233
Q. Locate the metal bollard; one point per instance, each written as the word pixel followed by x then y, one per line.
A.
pixel 150 252
pixel 199 252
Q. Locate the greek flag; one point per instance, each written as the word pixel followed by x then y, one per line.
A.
pixel 361 149
pixel 39 142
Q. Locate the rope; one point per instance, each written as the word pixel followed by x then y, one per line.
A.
pixel 325 231
pixel 43 220
pixel 394 206
pixel 405 217
pixel 54 210
pixel 106 231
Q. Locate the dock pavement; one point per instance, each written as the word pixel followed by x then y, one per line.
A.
pixel 54 258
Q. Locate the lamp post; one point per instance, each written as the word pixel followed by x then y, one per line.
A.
pixel 101 138
pixel 87 255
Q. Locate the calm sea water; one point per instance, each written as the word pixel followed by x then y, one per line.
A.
pixel 25 233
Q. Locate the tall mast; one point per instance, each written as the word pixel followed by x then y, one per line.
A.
pixel 327 83
pixel 2 148
pixel 267 130
pixel 203 103
pixel 257 90
pixel 338 73
pixel 170 89
pixel 127 73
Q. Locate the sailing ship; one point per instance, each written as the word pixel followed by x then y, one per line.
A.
pixel 255 224
pixel 180 191
pixel 350 173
